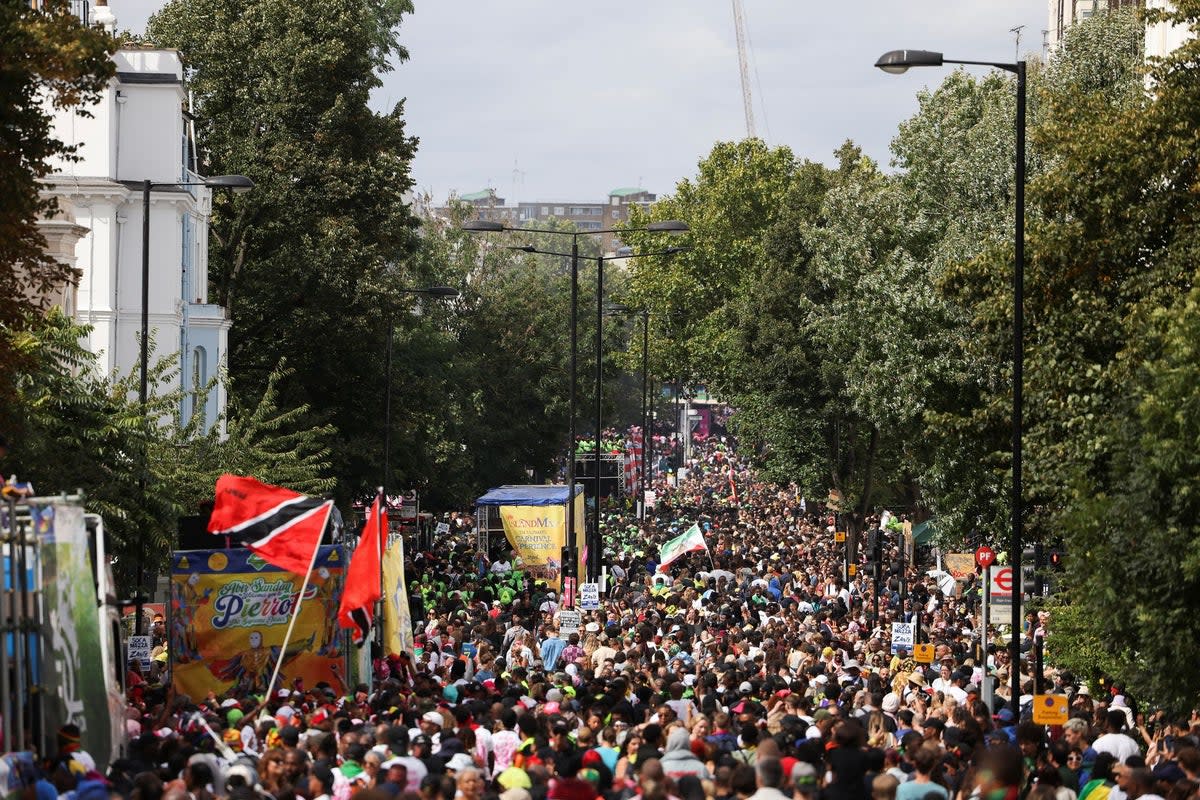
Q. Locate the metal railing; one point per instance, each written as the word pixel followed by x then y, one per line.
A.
pixel 22 715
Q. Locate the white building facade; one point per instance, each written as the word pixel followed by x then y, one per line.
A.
pixel 1160 37
pixel 139 131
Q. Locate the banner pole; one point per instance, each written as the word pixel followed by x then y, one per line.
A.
pixel 287 637
pixel 381 503
pixel 222 748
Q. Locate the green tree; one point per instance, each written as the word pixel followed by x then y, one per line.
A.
pixel 46 52
pixel 734 199
pixel 309 261
pixel 79 431
pixel 273 445
pixel 1117 362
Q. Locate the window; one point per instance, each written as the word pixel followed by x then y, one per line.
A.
pixel 199 379
pixel 545 211
pixel 558 211
pixel 616 213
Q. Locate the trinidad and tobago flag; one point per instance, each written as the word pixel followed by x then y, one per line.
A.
pixel 364 577
pixel 283 527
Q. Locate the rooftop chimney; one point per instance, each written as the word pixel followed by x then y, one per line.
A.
pixel 104 16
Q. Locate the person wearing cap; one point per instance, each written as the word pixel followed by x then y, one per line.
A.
pixel 430 726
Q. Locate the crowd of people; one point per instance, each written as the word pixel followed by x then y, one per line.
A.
pixel 754 669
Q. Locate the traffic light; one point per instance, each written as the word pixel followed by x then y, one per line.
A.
pixel 874 553
pixel 1031 571
pixel 1056 559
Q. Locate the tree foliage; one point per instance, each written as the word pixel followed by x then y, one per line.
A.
pixel 140 469
pixel 310 261
pixel 1119 365
pixel 862 324
pixel 48 60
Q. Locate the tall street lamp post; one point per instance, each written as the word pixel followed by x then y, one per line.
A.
pixel 897 62
pixel 238 183
pixel 644 479
pixel 491 226
pixel 595 543
pixel 431 291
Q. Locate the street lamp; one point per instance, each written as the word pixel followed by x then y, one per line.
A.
pixel 491 226
pixel 595 543
pixel 238 183
pixel 430 291
pixel 897 62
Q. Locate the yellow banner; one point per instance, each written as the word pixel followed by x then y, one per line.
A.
pixel 397 619
pixel 228 615
pixel 537 534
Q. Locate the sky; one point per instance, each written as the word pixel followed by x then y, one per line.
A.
pixel 560 100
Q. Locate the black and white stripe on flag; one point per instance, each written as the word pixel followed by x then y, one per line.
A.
pixel 283 527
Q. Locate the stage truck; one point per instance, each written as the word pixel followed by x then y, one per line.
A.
pixel 62 657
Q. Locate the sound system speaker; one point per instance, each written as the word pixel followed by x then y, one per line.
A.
pixel 194 535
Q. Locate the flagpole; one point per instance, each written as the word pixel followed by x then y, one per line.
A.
pixel 287 637
pixel 381 505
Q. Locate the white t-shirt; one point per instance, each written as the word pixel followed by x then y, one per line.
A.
pixel 1118 744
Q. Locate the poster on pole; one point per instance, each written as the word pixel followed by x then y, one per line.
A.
pixel 397 618
pixel 569 622
pixel 230 611
pixel 959 565
pixel 1000 595
pixel 139 650
pixel 589 596
pixel 903 634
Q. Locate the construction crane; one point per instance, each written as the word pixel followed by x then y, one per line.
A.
pixel 739 24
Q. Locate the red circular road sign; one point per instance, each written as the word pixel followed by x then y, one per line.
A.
pixel 1003 579
pixel 985 556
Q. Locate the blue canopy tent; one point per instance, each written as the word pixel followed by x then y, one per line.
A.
pixel 512 495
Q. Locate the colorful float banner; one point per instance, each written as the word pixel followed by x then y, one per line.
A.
pixel 397 619
pixel 78 677
pixel 537 534
pixel 230 610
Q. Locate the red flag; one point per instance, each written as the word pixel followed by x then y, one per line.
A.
pixel 362 588
pixel 283 527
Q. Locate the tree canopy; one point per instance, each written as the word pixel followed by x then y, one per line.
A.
pixel 46 54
